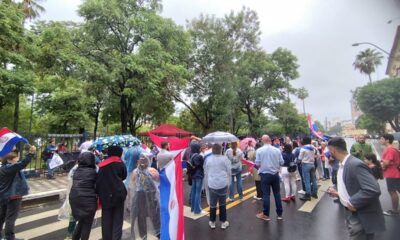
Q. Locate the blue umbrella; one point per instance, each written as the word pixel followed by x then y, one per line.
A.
pixel 102 143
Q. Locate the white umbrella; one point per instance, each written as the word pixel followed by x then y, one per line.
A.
pixel 219 137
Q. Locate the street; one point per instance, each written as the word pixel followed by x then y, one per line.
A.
pixel 325 221
pixel 318 219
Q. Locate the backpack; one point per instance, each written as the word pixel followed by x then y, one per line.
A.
pixel 292 166
pixel 190 168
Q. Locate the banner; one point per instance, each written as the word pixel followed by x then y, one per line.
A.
pixel 56 161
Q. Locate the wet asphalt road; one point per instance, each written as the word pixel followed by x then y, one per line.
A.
pixel 325 222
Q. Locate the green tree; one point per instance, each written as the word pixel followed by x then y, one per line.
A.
pixel 381 100
pixel 320 126
pixel 263 79
pixel 372 124
pixel 144 54
pixel 367 61
pixel 61 100
pixel 232 74
pixel 16 73
pixel 335 130
pixel 302 94
pixel 31 9
pixel 291 121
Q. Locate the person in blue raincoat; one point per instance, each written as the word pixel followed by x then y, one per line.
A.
pixel 131 157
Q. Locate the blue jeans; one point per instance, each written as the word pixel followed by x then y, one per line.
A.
pixel 310 178
pixel 195 197
pixel 238 185
pixel 269 181
pixel 50 172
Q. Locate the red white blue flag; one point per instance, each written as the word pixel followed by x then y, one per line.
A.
pixel 8 139
pixel 315 132
pixel 171 189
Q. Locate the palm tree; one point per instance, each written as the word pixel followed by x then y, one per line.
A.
pixel 32 9
pixel 367 60
pixel 302 94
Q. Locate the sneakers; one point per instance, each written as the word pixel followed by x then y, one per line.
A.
pixel 286 199
pixel 230 200
pixel 280 218
pixel 306 197
pixel 211 224
pixel 391 213
pixel 315 196
pixel 257 198
pixel 262 216
pixel 225 225
pixel 301 192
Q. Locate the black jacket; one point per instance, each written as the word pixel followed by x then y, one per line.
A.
pixel 197 161
pixel 83 197
pixel 109 185
pixel 7 175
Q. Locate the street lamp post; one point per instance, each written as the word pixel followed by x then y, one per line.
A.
pixel 374 45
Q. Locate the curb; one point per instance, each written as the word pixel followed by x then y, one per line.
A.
pixel 35 196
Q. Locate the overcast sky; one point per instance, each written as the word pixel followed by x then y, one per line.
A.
pixel 318 32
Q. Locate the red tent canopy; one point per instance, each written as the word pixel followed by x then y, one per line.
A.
pixel 167 130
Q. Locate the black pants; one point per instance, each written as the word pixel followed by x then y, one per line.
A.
pixel 334 176
pixel 82 230
pixel 8 215
pixel 218 196
pixel 356 230
pixel 111 223
pixel 258 189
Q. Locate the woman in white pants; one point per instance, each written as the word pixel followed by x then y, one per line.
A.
pixel 289 174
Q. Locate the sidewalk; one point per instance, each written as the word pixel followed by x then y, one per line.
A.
pixel 42 187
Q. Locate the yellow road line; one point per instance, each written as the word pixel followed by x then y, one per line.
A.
pixel 309 206
pixel 207 209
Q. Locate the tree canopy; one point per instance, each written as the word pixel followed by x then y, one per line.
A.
pixel 125 66
pixel 381 100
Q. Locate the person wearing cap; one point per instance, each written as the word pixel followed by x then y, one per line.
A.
pixel 112 193
pixel 48 155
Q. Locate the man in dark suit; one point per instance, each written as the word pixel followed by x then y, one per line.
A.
pixel 358 192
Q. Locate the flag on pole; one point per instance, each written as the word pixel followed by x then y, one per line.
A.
pixel 315 131
pixel 8 139
pixel 171 189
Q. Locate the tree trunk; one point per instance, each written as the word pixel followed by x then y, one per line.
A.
pixel 96 123
pixel 16 113
pixel 304 108
pixel 124 113
pixel 31 116
pixel 370 79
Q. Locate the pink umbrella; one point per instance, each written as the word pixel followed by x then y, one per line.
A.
pixel 245 142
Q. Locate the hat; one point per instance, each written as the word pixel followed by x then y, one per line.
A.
pixel 115 151
pixel 52 148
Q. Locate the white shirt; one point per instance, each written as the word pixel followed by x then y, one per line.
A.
pixel 342 191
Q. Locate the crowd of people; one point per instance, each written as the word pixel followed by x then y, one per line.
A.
pixel 125 184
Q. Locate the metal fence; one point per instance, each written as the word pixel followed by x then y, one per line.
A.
pixel 38 168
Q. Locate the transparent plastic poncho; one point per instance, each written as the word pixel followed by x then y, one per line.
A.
pixel 142 205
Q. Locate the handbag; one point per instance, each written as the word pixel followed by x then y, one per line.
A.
pixel 292 167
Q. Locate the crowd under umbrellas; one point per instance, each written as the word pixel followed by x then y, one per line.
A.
pixel 127 178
